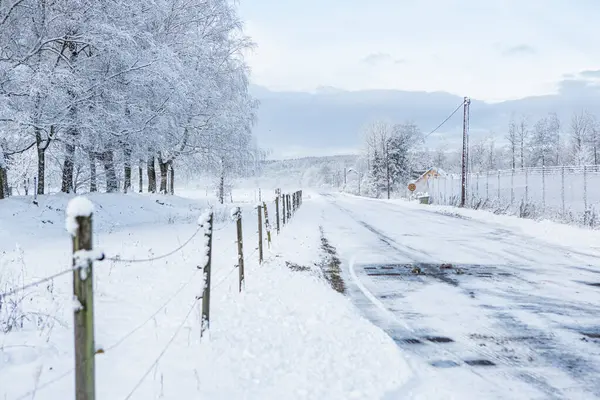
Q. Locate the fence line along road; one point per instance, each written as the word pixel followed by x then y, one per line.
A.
pixel 79 221
pixel 568 193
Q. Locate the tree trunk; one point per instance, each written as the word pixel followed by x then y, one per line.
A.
pixel 110 172
pixel 141 175
pixel 4 173
pixel 68 165
pixel 127 168
pixel 2 194
pixel 72 133
pixel 522 154
pixel 93 174
pixel 151 175
pixel 172 188
pixel 164 168
pixel 222 187
pixel 41 155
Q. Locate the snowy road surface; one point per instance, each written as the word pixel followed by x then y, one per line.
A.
pixel 513 316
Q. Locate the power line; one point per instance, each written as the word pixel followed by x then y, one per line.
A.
pixel 444 121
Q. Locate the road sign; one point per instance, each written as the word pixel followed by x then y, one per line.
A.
pixel 412 187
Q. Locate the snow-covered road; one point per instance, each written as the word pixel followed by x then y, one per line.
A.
pixel 510 315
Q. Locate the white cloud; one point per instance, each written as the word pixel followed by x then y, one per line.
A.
pixel 304 44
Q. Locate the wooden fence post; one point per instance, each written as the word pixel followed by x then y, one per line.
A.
pixel 283 211
pixel 240 245
pixel 267 225
pixel 289 209
pixel 83 290
pixel 260 237
pixel 208 233
pixel 277 213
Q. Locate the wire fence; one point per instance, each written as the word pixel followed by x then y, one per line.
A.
pixel 206 227
pixel 563 193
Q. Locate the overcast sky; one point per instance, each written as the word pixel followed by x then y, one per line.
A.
pixel 486 49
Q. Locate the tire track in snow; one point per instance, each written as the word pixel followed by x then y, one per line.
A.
pixel 418 256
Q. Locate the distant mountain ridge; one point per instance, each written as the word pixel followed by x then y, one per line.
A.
pixel 331 121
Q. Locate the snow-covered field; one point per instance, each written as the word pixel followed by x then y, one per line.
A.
pixel 288 335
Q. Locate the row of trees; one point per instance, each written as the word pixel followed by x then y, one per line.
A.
pixel 526 143
pixel 87 84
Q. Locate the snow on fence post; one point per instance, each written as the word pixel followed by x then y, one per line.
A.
pixel 267 225
pixel 562 188
pixel 79 224
pixel 260 236
pixel 289 209
pixel 237 215
pixel 206 221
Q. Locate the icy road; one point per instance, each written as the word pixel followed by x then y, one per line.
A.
pixel 480 309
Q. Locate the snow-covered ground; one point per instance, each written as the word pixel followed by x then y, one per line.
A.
pixel 287 335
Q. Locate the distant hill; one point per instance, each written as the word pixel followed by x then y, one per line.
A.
pixel 331 121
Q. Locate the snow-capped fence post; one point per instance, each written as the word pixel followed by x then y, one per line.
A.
pixel 208 234
pixel 240 244
pixel 260 236
pixel 79 225
pixel 277 214
pixel 267 225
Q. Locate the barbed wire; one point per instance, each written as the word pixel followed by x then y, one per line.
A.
pixel 139 260
pixel 45 385
pixel 222 280
pixel 162 353
pixel 151 317
pixel 36 283
pixel 102 258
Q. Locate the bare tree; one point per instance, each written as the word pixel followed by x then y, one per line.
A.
pixel 513 141
pixel 522 137
pixel 580 131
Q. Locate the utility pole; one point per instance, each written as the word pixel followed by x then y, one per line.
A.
pixel 465 153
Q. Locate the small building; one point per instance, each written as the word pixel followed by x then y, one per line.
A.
pixel 421 178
